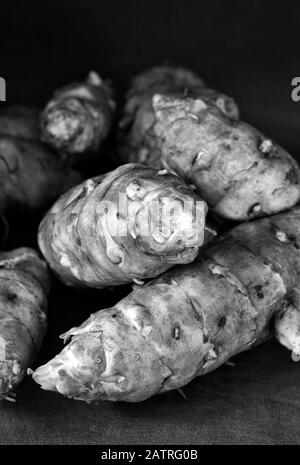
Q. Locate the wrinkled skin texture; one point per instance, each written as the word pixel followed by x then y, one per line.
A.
pixel 24 285
pixel 31 176
pixel 137 140
pixel 79 116
pixel 20 121
pixel 187 322
pixel 238 171
pixel 89 240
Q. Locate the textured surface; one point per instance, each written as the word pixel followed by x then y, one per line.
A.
pixel 188 321
pixel 79 116
pixel 24 285
pixel 31 176
pixel 250 50
pixel 137 139
pixel 240 172
pixel 130 224
pixel 256 401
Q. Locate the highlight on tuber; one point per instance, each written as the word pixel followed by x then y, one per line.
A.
pixel 190 320
pixel 128 225
pixel 237 170
pixel 79 117
pixel 24 286
pixel 137 141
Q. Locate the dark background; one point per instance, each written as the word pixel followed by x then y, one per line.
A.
pixel 249 49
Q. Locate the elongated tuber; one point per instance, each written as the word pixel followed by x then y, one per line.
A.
pixel 239 172
pixel 128 225
pixel 137 141
pixel 24 285
pixel 30 175
pixel 79 116
pixel 190 320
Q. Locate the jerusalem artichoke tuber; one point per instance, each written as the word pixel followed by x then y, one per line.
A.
pixel 128 225
pixel 190 320
pixel 79 116
pixel 137 142
pixel 24 285
pixel 239 172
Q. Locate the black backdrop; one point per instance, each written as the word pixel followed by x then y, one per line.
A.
pixel 249 49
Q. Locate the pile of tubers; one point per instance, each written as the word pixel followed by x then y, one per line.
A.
pixel 200 216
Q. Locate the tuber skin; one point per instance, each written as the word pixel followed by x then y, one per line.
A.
pixel 31 176
pixel 137 141
pixel 89 240
pixel 24 286
pixel 287 326
pixel 188 321
pixel 79 117
pixel 20 121
pixel 238 171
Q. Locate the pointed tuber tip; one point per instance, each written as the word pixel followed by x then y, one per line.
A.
pixel 94 79
pixel 46 377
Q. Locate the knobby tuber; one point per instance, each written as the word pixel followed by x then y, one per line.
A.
pixel 31 176
pixel 128 225
pixel 79 116
pixel 24 285
pixel 190 320
pixel 238 171
pixel 137 141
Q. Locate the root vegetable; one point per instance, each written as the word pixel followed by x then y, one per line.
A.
pixel 189 321
pixel 79 117
pixel 30 175
pixel 24 285
pixel 287 326
pixel 239 172
pixel 137 141
pixel 128 225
